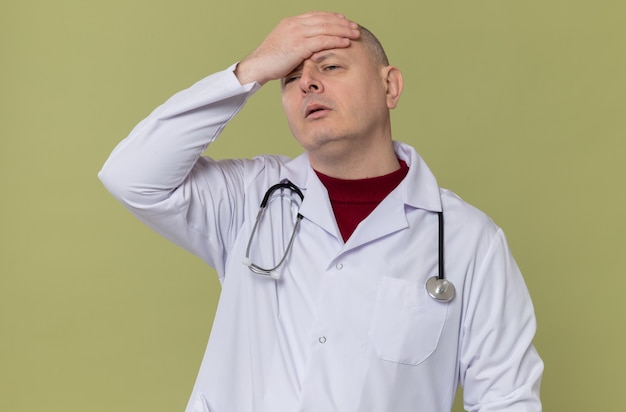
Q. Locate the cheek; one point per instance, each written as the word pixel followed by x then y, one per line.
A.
pixel 289 108
pixel 290 115
pixel 370 104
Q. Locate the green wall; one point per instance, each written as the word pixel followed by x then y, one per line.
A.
pixel 518 106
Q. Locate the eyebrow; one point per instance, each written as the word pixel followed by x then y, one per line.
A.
pixel 316 59
pixel 296 70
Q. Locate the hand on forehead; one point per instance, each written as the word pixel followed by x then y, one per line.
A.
pixel 294 40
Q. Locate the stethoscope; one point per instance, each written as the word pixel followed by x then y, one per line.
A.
pixel 438 287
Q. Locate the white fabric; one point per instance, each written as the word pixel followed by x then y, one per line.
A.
pixel 348 327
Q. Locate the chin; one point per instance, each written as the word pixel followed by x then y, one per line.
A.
pixel 317 141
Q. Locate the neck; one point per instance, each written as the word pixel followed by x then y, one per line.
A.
pixel 356 163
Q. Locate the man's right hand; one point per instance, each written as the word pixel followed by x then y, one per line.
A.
pixel 294 40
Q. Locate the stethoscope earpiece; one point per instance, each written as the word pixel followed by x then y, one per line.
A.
pixel 275 275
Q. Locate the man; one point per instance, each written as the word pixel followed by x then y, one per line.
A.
pixel 331 313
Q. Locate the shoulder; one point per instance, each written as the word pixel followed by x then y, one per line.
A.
pixel 462 217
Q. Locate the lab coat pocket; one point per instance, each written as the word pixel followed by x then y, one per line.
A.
pixel 406 324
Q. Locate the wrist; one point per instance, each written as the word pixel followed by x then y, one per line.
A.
pixel 245 73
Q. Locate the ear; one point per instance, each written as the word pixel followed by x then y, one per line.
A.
pixel 394 81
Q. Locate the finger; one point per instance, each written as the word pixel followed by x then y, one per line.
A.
pixel 319 43
pixel 328 24
pixel 321 14
pixel 330 29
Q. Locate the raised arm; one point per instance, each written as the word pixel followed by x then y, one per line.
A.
pixel 159 153
pixel 158 173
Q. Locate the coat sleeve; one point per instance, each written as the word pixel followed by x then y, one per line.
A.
pixel 500 368
pixel 158 173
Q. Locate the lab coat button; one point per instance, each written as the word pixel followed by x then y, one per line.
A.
pixel 339 266
pixel 322 339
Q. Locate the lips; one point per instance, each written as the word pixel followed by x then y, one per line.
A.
pixel 313 108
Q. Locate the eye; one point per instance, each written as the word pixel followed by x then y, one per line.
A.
pixel 291 78
pixel 331 67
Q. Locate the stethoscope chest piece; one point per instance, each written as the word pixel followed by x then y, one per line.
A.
pixel 440 289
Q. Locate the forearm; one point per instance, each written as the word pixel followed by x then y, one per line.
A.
pixel 159 153
pixel 161 150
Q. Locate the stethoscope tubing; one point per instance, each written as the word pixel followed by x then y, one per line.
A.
pixel 285 184
pixel 438 287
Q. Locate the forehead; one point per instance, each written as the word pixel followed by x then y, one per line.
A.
pixel 354 53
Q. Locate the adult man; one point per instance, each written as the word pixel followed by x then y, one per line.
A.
pixel 343 322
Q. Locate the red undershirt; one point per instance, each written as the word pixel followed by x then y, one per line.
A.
pixel 354 200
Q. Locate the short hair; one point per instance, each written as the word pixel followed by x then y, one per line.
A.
pixel 374 46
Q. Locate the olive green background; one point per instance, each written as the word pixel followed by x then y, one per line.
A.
pixel 518 106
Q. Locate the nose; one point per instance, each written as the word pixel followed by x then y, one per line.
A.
pixel 310 82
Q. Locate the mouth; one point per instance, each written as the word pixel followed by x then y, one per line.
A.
pixel 314 110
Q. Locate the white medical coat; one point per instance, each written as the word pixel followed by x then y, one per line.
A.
pixel 349 326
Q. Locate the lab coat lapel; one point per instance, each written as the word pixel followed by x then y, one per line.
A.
pixel 316 206
pixel 388 217
pixel 419 189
